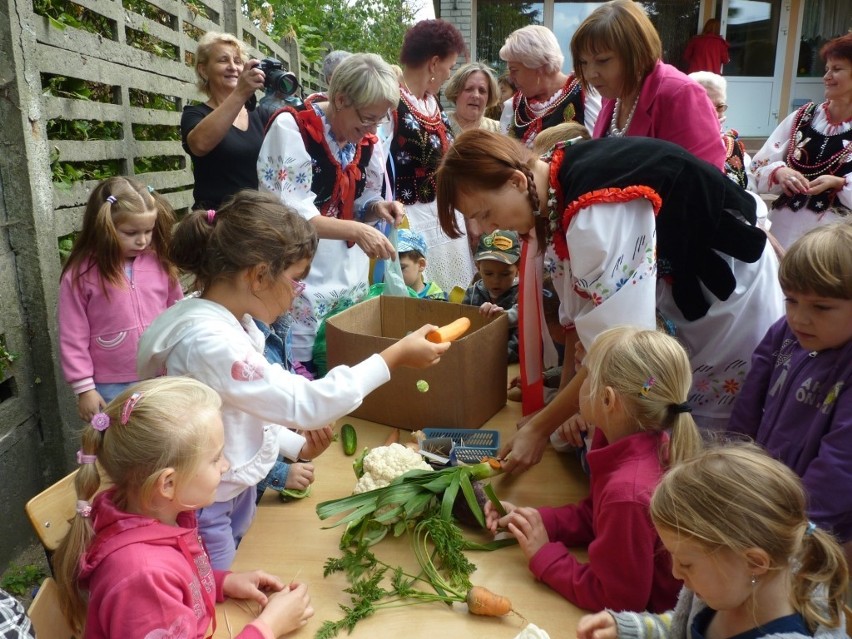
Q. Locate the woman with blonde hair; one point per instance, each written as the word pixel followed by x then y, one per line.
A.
pixel 752 564
pixel 544 95
pixel 473 89
pixel 617 51
pixel 325 161
pixel 221 135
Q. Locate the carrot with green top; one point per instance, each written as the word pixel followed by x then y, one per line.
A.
pixel 437 544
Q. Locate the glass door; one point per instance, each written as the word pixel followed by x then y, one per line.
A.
pixel 757 33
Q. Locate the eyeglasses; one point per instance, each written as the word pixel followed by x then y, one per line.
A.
pixel 297 286
pixel 721 107
pixel 370 122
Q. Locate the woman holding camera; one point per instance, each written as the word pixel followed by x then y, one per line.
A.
pixel 221 135
pixel 325 161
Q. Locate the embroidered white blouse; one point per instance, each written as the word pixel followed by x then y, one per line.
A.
pixel 611 280
pixel 339 275
pixel 788 225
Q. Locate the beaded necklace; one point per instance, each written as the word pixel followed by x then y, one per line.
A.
pixel 828 117
pixel 540 110
pixel 428 120
pixel 614 131
pixel 794 152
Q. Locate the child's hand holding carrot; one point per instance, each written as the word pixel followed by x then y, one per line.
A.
pixel 316 441
pixel 600 625
pixel 414 350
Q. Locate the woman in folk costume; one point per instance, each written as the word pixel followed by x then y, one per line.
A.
pixel 325 161
pixel 421 136
pixel 632 229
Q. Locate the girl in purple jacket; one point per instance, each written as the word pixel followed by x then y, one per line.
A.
pixel 115 282
pixel 796 400
pixel 132 565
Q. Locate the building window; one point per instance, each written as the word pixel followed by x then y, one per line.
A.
pixel 567 16
pixel 495 20
pixel 675 21
pixel 823 20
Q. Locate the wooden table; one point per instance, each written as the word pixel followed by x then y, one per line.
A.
pixel 288 540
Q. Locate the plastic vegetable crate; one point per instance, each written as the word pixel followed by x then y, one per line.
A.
pixel 469 445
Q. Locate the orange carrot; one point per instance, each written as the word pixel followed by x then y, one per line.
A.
pixel 450 332
pixel 393 437
pixel 495 463
pixel 481 601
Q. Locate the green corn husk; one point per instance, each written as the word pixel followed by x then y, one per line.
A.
pixel 405 500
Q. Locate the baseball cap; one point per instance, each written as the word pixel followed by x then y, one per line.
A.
pixel 501 246
pixel 408 240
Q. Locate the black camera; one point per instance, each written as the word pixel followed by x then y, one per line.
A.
pixel 278 83
pixel 277 79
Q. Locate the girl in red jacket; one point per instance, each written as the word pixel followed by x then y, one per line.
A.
pixel 116 281
pixel 634 395
pixel 132 565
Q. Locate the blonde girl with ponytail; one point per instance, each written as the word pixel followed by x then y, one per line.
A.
pixel 635 394
pixel 132 564
pixel 751 562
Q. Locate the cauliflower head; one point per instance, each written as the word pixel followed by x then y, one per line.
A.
pixel 383 464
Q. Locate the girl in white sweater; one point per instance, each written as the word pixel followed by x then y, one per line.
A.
pixel 248 259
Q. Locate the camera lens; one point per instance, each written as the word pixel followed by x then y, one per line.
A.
pixel 282 82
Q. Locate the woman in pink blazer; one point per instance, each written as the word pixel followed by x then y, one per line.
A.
pixel 617 51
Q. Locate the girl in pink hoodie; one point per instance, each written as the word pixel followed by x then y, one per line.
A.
pixel 116 281
pixel 135 548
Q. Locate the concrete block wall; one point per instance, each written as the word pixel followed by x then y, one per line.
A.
pixel 38 416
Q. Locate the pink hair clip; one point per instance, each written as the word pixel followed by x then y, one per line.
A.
pixel 129 406
pixel 82 458
pixel 100 422
pixel 211 215
pixel 647 386
pixel 84 508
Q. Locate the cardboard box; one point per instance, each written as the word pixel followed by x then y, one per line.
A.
pixel 466 388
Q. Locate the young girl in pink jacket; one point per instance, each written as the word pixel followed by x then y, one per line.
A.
pixel 115 282
pixel 132 565
pixel 635 396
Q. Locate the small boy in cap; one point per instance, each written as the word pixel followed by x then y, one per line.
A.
pixel 412 261
pixel 497 289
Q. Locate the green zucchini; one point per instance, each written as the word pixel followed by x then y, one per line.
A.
pixel 349 439
pixel 289 494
